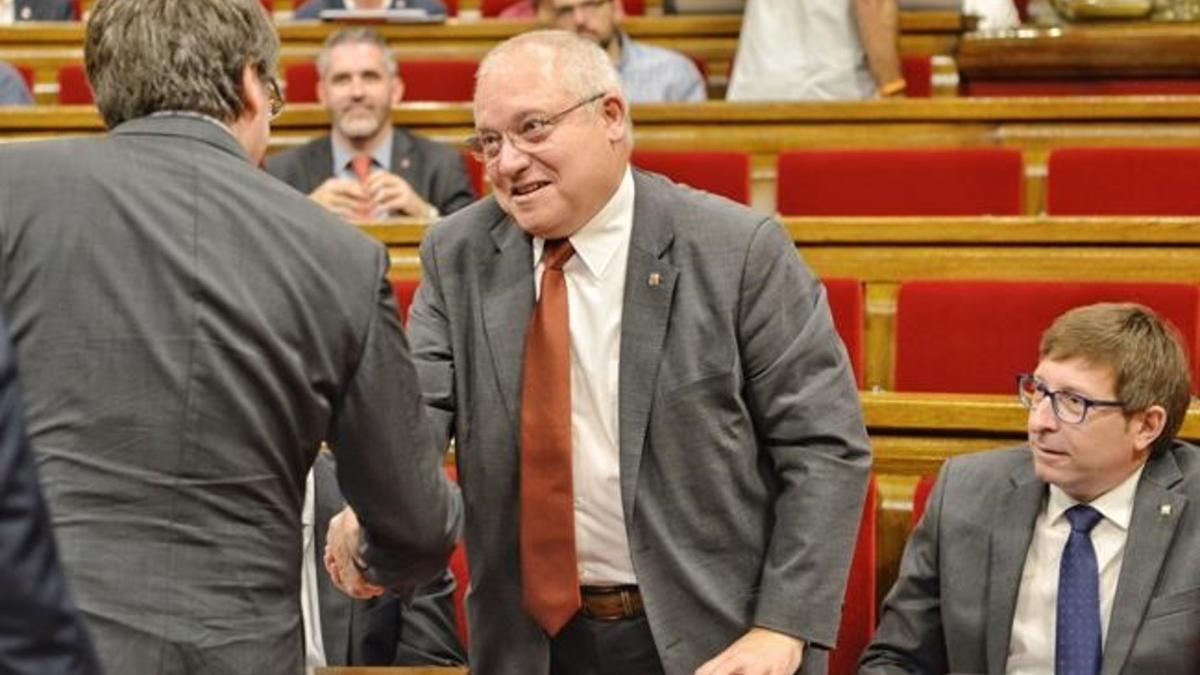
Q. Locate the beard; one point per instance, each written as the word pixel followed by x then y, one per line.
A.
pixel 361 123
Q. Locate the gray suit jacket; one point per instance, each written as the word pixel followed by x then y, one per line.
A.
pixel 743 453
pixel 435 171
pixel 189 331
pixel 952 608
pixel 385 630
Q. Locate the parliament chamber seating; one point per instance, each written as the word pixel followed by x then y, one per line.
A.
pixel 847 305
pixel 977 336
pixel 492 8
pixel 26 75
pixel 724 173
pixel 921 493
pixel 445 80
pixel 918 75
pixel 899 182
pixel 1123 181
pixel 73 87
pixel 404 289
pixel 858 606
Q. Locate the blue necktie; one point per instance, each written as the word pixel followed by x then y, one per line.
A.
pixel 1077 647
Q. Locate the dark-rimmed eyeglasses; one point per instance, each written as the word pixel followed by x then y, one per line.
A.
pixel 526 137
pixel 274 98
pixel 1068 407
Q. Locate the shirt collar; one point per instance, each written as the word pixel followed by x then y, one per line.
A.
pixel 1116 505
pixel 381 157
pixel 597 242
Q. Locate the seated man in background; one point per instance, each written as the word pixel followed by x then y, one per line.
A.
pixel 379 631
pixel 312 8
pixel 12 87
pixel 366 168
pixel 1076 552
pixel 649 74
pixel 12 11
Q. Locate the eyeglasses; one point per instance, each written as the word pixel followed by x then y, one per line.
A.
pixel 1068 407
pixel 274 98
pixel 528 135
pixel 588 7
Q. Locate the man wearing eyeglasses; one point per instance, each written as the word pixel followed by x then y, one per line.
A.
pixel 649 74
pixel 657 430
pixel 1076 553
pixel 189 332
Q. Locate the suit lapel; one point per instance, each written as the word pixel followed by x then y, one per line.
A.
pixel 649 288
pixel 319 165
pixel 1157 509
pixel 401 148
pixel 506 283
pixel 1012 531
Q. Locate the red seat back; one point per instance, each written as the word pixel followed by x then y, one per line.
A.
pixel 475 171
pixel 300 82
pixel 976 336
pixel 847 306
pixel 405 290
pixel 918 75
pixel 435 80
pixel 902 182
pixel 858 608
pixel 1123 181
pixel 921 498
pixel 1096 87
pixel 26 75
pixel 73 87
pixel 723 173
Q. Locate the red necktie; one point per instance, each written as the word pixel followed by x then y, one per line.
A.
pixel 361 165
pixel 549 579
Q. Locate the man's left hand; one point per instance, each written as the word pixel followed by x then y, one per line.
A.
pixel 341 551
pixel 759 652
pixel 392 194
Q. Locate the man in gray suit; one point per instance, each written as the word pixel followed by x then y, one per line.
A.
pixel 716 449
pixel 189 332
pixel 401 173
pixel 1076 553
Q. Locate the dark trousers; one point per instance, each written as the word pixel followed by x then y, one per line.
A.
pixel 590 647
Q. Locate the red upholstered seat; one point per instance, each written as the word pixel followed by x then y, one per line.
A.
pixel 1123 181
pixel 433 80
pixel 475 171
pixel 268 5
pixel 858 607
pixel 404 289
pixel 73 88
pixel 26 75
pixel 723 173
pixel 492 8
pixel 921 498
pixel 918 75
pixel 901 182
pixel 976 336
pixel 847 306
pixel 1100 87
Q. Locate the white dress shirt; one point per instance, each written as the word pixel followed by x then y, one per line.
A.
pixel 595 278
pixel 310 609
pixel 1031 649
pixel 8 9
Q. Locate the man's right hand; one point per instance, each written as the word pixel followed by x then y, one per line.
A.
pixel 345 197
pixel 341 556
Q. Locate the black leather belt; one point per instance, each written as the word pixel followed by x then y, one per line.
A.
pixel 611 603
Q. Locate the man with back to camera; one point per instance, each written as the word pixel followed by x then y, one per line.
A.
pixel 665 461
pixel 1076 553
pixel 366 168
pixel 649 74
pixel 190 331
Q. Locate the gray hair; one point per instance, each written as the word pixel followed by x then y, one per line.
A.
pixel 578 63
pixel 356 35
pixel 147 56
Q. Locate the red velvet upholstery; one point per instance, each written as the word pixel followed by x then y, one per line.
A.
pixel 451 7
pixel 918 74
pixel 26 75
pixel 1103 87
pixel 268 5
pixel 404 289
pixel 73 88
pixel 492 8
pixel 976 336
pixel 921 498
pixel 858 607
pixel 720 172
pixel 436 80
pixel 847 306
pixel 901 182
pixel 1123 181
pixel 476 173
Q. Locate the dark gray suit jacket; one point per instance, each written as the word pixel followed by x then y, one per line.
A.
pixel 743 456
pixel 951 610
pixel 386 630
pixel 435 171
pixel 40 630
pixel 44 10
pixel 190 330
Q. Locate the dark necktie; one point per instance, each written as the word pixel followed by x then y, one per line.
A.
pixel 1077 645
pixel 549 578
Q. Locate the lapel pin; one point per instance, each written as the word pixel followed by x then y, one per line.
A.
pixel 655 279
pixel 405 163
pixel 1164 510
